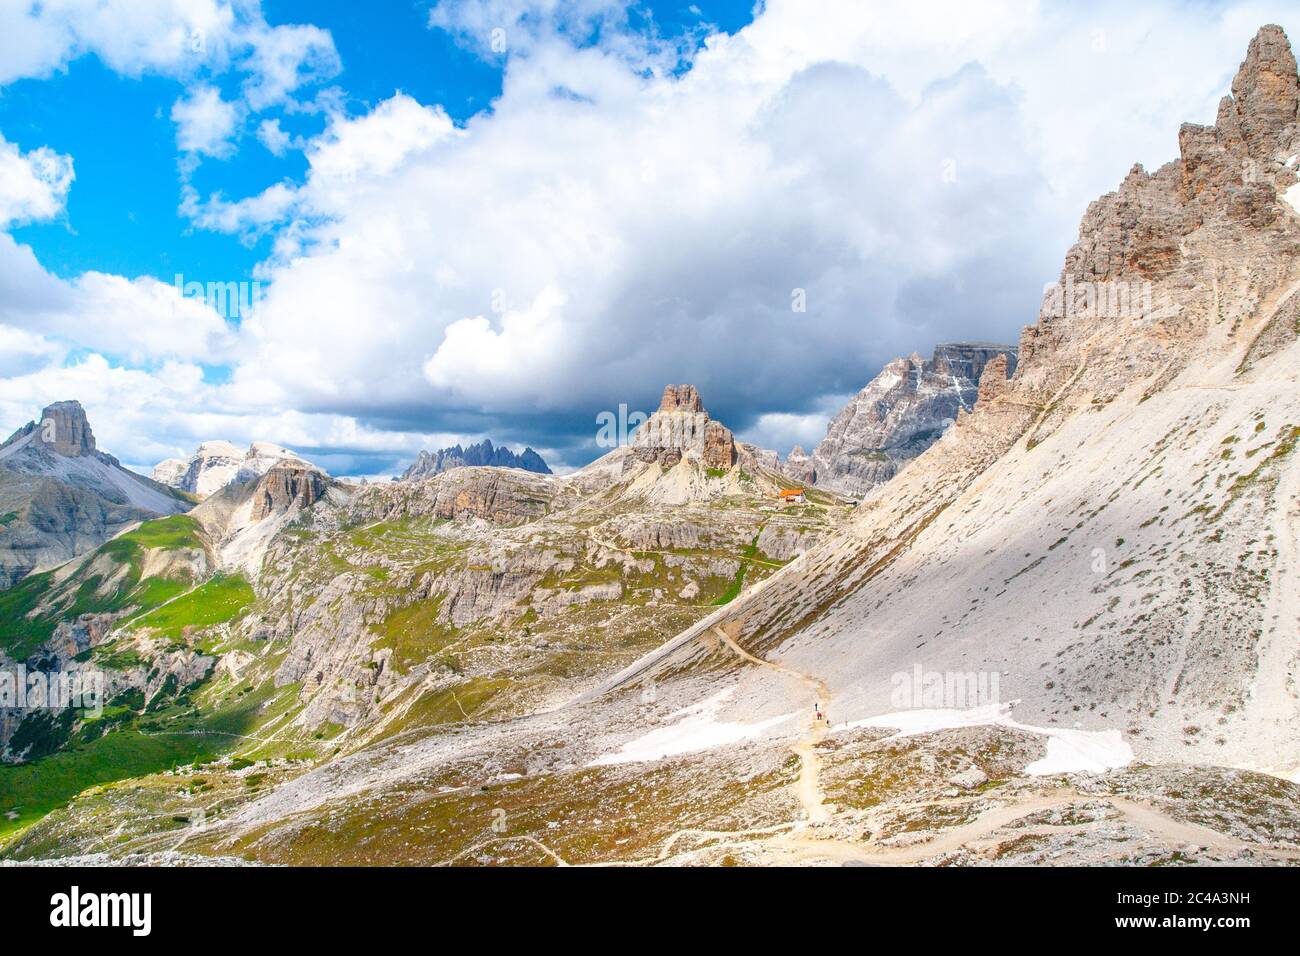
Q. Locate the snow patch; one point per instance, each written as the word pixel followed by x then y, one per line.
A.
pixel 697 729
pixel 1292 197
pixel 1068 750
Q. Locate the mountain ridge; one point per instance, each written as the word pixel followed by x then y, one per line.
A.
pixel 218 463
pixel 483 453
pixel 63 496
pixel 896 416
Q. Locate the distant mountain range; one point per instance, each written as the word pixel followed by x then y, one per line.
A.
pixel 483 453
pixel 216 464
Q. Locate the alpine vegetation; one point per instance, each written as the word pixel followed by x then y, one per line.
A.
pixel 979 548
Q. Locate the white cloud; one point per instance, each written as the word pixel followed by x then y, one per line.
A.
pixel 190 40
pixel 662 224
pixel 781 431
pixel 344 160
pixel 533 338
pixel 205 123
pixel 275 139
pixel 611 226
pixel 131 36
pixel 918 175
pixel 250 217
pixel 374 145
pixel 141 321
pixel 170 37
pixel 193 41
pixel 22 351
pixel 33 185
pixel 283 58
pixel 144 416
pixel 500 28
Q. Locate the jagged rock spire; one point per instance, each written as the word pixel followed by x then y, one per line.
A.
pixel 64 429
pixel 680 398
pixel 682 425
pixel 1265 92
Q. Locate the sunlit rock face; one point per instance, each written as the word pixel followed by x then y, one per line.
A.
pixel 901 413
pixel 682 427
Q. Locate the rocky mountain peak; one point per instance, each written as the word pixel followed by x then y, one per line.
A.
pixel 65 430
pixel 680 428
pixel 901 412
pixel 798 464
pixel 286 485
pixel 218 463
pixel 680 398
pixel 482 454
pixel 1265 92
pixel 1233 170
pixel 994 380
pixel 61 496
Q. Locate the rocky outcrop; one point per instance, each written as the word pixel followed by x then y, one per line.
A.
pixel 993 381
pixel 62 429
pixel 798 465
pixel 286 486
pixel 900 414
pixel 496 495
pixel 1265 94
pixel 484 454
pixel 65 430
pixel 680 398
pixel 60 496
pixel 681 428
pixel 216 464
pixel 719 446
pixel 752 456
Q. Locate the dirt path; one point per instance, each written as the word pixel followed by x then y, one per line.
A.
pixel 532 841
pixel 1183 832
pixel 803 846
pixel 808 785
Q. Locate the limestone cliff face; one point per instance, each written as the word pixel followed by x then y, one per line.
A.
pixel 287 485
pixel 903 411
pixel 62 429
pixel 216 464
pixel 65 430
pixel 1197 245
pixel 681 427
pixel 798 465
pixel 719 446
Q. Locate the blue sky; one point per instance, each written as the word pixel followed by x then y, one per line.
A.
pixel 123 216
pixel 502 218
